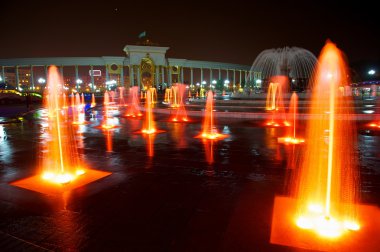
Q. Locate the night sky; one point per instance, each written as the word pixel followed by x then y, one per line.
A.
pixel 234 31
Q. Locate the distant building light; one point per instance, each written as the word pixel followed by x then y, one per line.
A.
pixel 111 82
pixel 41 80
pixel 258 81
pixel 95 72
pixel 226 82
pixel 204 82
pixel 79 81
pixel 1 79
pixel 371 72
pixel 214 82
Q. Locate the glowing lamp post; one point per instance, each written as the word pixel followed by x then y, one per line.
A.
pixel 226 83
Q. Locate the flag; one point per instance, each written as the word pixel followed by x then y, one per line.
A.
pixel 143 34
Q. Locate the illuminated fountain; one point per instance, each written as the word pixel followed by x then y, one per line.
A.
pixel 181 115
pixel 149 127
pixel 93 103
pixel 60 162
pixel 275 102
pixel 78 110
pixel 375 124
pixel 133 109
pixel 296 63
pixel 172 96
pixel 153 95
pixel 107 119
pixel 209 130
pixel 323 212
pixel 291 137
pixel 122 102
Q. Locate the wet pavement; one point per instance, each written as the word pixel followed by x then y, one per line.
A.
pixel 172 192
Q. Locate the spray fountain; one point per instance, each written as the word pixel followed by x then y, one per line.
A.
pixel 107 119
pixel 78 110
pixel 133 109
pixel 93 102
pixel 60 162
pixel 291 136
pixel 149 125
pixel 209 130
pixel 275 102
pixel 323 211
pixel 180 115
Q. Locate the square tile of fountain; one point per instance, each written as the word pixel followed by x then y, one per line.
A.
pixel 38 184
pixel 284 230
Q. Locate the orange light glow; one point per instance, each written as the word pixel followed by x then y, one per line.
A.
pixel 93 103
pixel 290 140
pixel 62 178
pixel 133 110
pixel 328 171
pixel 209 131
pixel 60 157
pixel 149 127
pixel 326 226
pixel 374 125
pixel 179 93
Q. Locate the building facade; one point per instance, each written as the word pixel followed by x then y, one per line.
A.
pixel 143 66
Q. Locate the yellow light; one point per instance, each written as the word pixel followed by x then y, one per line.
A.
pixel 151 131
pixel 323 225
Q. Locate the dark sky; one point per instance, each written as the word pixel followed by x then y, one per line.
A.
pixel 233 31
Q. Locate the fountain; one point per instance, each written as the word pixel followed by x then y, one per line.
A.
pixel 60 162
pixel 293 62
pixel 149 127
pixel 153 95
pixel 107 120
pixel 291 137
pixel 93 103
pixel 275 102
pixel 209 131
pixel 122 102
pixel 181 115
pixel 375 124
pixel 323 212
pixel 78 111
pixel 133 110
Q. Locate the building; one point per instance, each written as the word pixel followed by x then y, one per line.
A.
pixel 144 65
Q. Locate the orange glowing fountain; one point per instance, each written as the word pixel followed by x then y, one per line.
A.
pixel 60 160
pixel 78 111
pixel 174 96
pixel 153 95
pixel 291 137
pixel 324 214
pixel 122 102
pixel 149 127
pixel 93 103
pixel 107 120
pixel 133 110
pixel 275 103
pixel 375 124
pixel 181 115
pixel 209 131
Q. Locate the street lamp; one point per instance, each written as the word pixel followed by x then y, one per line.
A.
pixel 1 79
pixel 258 82
pixel 371 72
pixel 79 81
pixel 41 80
